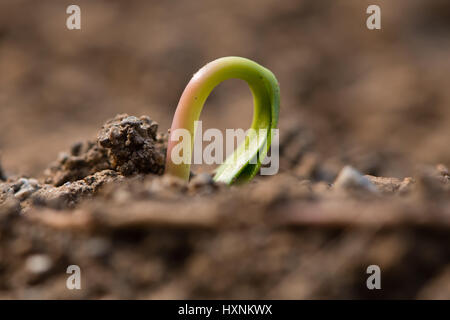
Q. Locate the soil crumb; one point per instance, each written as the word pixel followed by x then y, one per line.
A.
pixel 133 145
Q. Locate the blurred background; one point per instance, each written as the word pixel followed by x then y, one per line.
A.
pixel 383 93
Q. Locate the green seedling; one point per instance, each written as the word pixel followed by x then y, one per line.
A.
pixel 244 163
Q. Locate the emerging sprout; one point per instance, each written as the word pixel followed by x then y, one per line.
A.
pixel 244 163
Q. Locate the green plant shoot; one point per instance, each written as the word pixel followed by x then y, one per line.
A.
pixel 242 165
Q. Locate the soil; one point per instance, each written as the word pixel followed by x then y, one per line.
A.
pixel 286 236
pixel 364 154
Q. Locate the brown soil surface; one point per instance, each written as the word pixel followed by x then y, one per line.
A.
pixel 364 132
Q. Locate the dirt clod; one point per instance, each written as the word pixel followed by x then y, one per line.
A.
pixel 126 144
pixel 132 145
pixel 71 193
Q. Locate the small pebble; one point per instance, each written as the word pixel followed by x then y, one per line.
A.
pixel 38 263
pixel 25 188
pixel 350 178
pixel 202 179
